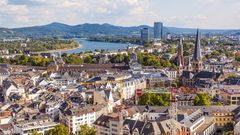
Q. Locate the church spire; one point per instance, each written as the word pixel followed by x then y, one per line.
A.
pixel 197 56
pixel 180 58
pixel 180 47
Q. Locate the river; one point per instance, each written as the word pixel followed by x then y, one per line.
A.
pixel 92 45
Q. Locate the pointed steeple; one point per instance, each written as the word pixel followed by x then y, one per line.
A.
pixel 180 47
pixel 197 56
pixel 180 58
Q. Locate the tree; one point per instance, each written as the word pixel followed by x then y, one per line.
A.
pixel 148 59
pixel 35 133
pixel 86 130
pixel 237 56
pixel 154 99
pixel 171 50
pixel 117 58
pixel 228 129
pixel 59 130
pixel 232 75
pixel 46 75
pixel 39 61
pixel 72 59
pixel 97 50
pixel 88 59
pixel 23 59
pixel 202 99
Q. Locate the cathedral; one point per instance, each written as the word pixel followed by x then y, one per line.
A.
pixel 192 74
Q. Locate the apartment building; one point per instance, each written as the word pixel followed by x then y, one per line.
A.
pixel 42 124
pixel 231 96
pixel 73 118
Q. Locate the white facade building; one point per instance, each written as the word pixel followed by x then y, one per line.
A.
pixel 75 117
pixel 41 125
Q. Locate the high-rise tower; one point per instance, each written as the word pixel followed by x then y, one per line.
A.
pixel 158 30
pixel 197 56
pixel 145 35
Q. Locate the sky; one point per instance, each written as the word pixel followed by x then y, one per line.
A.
pixel 210 14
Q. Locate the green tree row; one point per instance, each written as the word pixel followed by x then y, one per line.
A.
pixel 148 59
pixel 26 60
pixel 38 45
pixel 153 99
pixel 202 99
pixel 63 130
pixel 116 39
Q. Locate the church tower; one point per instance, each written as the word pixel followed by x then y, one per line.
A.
pixel 197 56
pixel 52 67
pixel 180 58
pixel 60 61
pixel 189 66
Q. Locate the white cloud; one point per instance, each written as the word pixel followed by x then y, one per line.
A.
pixel 187 13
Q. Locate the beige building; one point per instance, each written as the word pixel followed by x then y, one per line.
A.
pixel 231 96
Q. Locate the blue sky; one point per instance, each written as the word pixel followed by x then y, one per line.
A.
pixel 212 14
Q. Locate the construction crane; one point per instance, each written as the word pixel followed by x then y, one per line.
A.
pixel 120 89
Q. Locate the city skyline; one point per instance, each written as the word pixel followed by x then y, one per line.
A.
pixel 208 14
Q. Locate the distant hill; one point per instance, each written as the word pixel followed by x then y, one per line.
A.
pixel 5 32
pixel 84 30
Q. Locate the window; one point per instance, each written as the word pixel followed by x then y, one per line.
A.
pixel 114 125
pixel 115 130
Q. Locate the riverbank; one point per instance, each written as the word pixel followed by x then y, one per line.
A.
pixel 59 50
